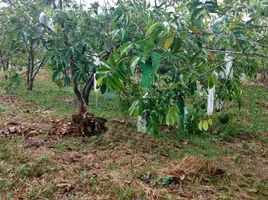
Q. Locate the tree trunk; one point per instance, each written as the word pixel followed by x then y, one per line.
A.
pixel 30 68
pixel 88 87
pixel 30 85
pixel 4 61
pixel 84 122
pixel 7 65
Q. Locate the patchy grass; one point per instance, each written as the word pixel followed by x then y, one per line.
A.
pixel 2 109
pixel 47 95
pixel 229 162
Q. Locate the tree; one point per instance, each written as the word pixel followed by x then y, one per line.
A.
pixel 174 49
pixel 24 28
pixel 74 45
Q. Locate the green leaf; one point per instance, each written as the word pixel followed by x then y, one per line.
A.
pixel 125 48
pixel 133 63
pixel 153 28
pixel 55 75
pixel 211 81
pixel 100 80
pixel 156 58
pixel 103 88
pixel 177 43
pixel 200 125
pixel 106 65
pixel 135 108
pixel 114 82
pixel 172 116
pixel 210 122
pixel 149 71
pixel 146 44
pixel 205 125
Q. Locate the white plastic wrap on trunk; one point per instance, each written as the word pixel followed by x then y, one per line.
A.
pixel 228 66
pixel 141 125
pixel 211 96
pixel 50 23
pixel 95 84
pixel 185 114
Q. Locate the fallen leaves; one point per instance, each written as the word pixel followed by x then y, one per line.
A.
pixel 15 128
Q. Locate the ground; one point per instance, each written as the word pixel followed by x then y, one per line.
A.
pixel 228 162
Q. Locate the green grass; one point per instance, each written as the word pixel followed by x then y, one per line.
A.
pixel 2 109
pixel 48 95
pixel 251 119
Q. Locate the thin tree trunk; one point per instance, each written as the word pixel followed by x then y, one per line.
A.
pixel 7 65
pixel 4 62
pixel 88 87
pixel 82 107
pixel 30 78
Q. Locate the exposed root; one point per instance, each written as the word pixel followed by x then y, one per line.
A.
pixel 82 124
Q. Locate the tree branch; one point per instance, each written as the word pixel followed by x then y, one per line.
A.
pixel 237 52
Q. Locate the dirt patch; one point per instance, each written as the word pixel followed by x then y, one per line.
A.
pixel 23 115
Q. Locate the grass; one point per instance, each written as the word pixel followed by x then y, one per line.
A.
pixel 122 164
pixel 2 109
pixel 49 96
pixel 251 118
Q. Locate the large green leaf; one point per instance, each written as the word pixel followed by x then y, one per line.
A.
pixel 153 28
pixel 136 108
pixel 125 48
pixel 149 70
pixel 172 116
